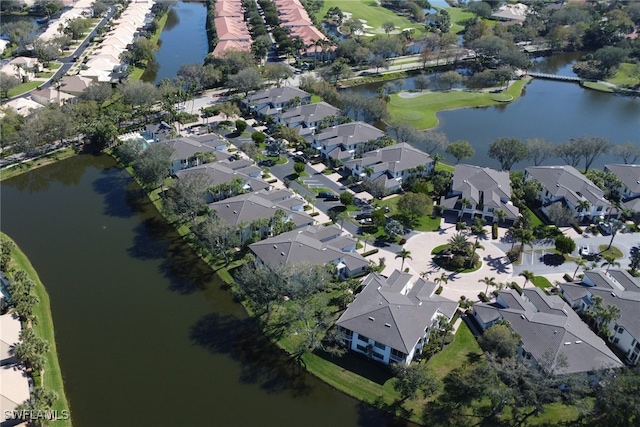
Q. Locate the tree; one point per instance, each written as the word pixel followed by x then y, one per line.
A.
pixel 394 228
pixel 634 261
pixel 215 235
pixel 258 137
pixel 461 150
pixel 140 94
pixel 404 254
pixel 629 151
pixel 450 79
pixel 489 281
pixel 528 277
pixel 500 341
pixel 299 167
pixel 592 147
pixel 570 152
pixel 560 215
pixel 615 403
pixel 539 150
pixel 154 166
pixel 615 225
pixel 415 205
pixel 443 278
pixel 76 27
pixel 580 262
pixel 338 70
pixel 98 92
pixel 31 349
pixel 388 27
pixel 565 244
pixel 369 238
pixel 185 199
pixel 277 72
pixel 256 283
pixel 610 261
pixel 277 147
pixel 245 80
pixel 228 109
pixel 129 151
pixel 7 83
pixel 414 380
pixel 508 151
pixel 143 52
pixel 346 198
pixel 374 187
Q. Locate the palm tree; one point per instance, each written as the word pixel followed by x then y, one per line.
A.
pixel 581 262
pixel 368 171
pixel 366 238
pixel 528 277
pixel 583 206
pixel 500 215
pixel 615 226
pixel 464 203
pixel 489 281
pixel 442 279
pixel 342 216
pixel 609 261
pixel 458 243
pixel 404 254
pixel 437 157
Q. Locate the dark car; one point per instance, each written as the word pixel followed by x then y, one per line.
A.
pixel 363 215
pixel 328 196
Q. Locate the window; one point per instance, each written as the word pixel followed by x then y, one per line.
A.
pixel 380 345
pixel 377 355
pixel 616 340
pixel 363 338
pixel 620 330
pixel 398 354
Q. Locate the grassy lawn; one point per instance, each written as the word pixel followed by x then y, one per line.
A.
pixel 277 160
pixel 54 65
pixel 44 328
pixel 24 87
pixel 136 73
pixel 611 251
pixel 455 354
pixel 535 220
pixel 421 110
pixel 44 75
pixel 422 223
pixel 372 13
pixel 161 23
pixel 316 98
pixel 624 76
pixel 459 17
pixel 440 166
pixel 597 86
pixel 33 164
pixel 541 282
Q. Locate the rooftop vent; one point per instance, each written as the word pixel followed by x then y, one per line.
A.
pixel 522 316
pixel 282 253
pixel 613 294
pixel 227 205
pixel 275 246
pixel 579 342
pixel 387 325
pixel 564 311
pixel 235 212
pixel 371 318
pixel 567 343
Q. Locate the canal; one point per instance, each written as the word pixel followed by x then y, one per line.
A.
pixel 183 41
pixel 147 334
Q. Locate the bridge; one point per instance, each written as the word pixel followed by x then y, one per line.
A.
pixel 555 77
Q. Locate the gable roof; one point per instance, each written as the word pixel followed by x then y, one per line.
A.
pixel 565 181
pixel 394 158
pixel 348 134
pixel 186 147
pixel 629 175
pixel 309 113
pixel 616 287
pixel 218 173
pixel 74 83
pixel 481 186
pixel 395 311
pixel 314 244
pixel 276 95
pixel 546 324
pixel 246 208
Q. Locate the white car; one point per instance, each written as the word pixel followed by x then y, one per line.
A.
pixel 584 250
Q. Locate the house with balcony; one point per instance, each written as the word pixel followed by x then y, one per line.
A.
pixel 272 101
pixel 629 191
pixel 391 165
pixel 617 288
pixel 567 186
pixel 306 118
pixel 484 191
pixel 344 141
pixel 315 244
pixel 391 319
pixel 552 335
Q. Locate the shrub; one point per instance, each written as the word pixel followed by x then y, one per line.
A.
pixel 406 270
pixel 513 255
pixel 439 290
pixel 403 241
pixel 483 297
pixel 517 287
pixel 371 252
pixel 461 225
pixel 241 125
pixel 577 228
pixel 494 231
pixel 258 137
pixel 314 214
pixel 565 244
pixel 567 277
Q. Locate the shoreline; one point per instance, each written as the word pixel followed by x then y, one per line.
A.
pixel 52 378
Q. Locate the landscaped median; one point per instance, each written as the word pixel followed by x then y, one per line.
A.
pixel 52 375
pixel 420 108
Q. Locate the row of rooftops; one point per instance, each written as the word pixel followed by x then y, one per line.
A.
pixel 295 18
pixel 231 30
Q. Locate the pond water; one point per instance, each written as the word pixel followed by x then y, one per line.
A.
pixel 183 41
pixel 147 334
pixel 556 111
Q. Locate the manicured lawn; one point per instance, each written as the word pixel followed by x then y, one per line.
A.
pixel 535 220
pixel 624 76
pixel 421 110
pixel 44 75
pixel 455 354
pixel 597 86
pixel 24 87
pixel 278 160
pixel 33 164
pixel 440 166
pixel 541 282
pixel 372 13
pixel 316 98
pixel 54 65
pixel 611 251
pixel 459 17
pixel 136 73
pixel 161 23
pixel 423 223
pixel 44 328
pixel 445 263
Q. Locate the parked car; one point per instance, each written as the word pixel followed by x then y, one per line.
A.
pixel 366 221
pixel 604 228
pixel 584 251
pixel 363 215
pixel 328 196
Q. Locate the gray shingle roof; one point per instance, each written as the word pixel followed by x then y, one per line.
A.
pixel 309 113
pixel 385 312
pixel 565 181
pixel 219 173
pixel 628 174
pixel 313 244
pixel 393 158
pixel 348 134
pixel 183 148
pixel 276 95
pixel 481 185
pixel 548 326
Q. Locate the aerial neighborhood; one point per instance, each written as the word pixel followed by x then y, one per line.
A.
pixel 443 269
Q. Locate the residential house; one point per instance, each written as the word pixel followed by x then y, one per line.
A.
pixel 270 102
pixel 22 67
pixel 244 209
pixel 487 190
pixel 617 288
pixel 10 328
pixel 185 150
pixel 629 191
pixel 552 335
pixel 391 165
pixel 50 95
pixel 516 13
pixel 22 106
pixel 315 244
pixel 74 85
pixel 344 141
pixel 14 381
pixel 218 173
pixel 306 118
pixel 391 319
pixel 565 185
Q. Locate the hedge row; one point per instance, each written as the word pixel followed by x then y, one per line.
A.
pixel 371 252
